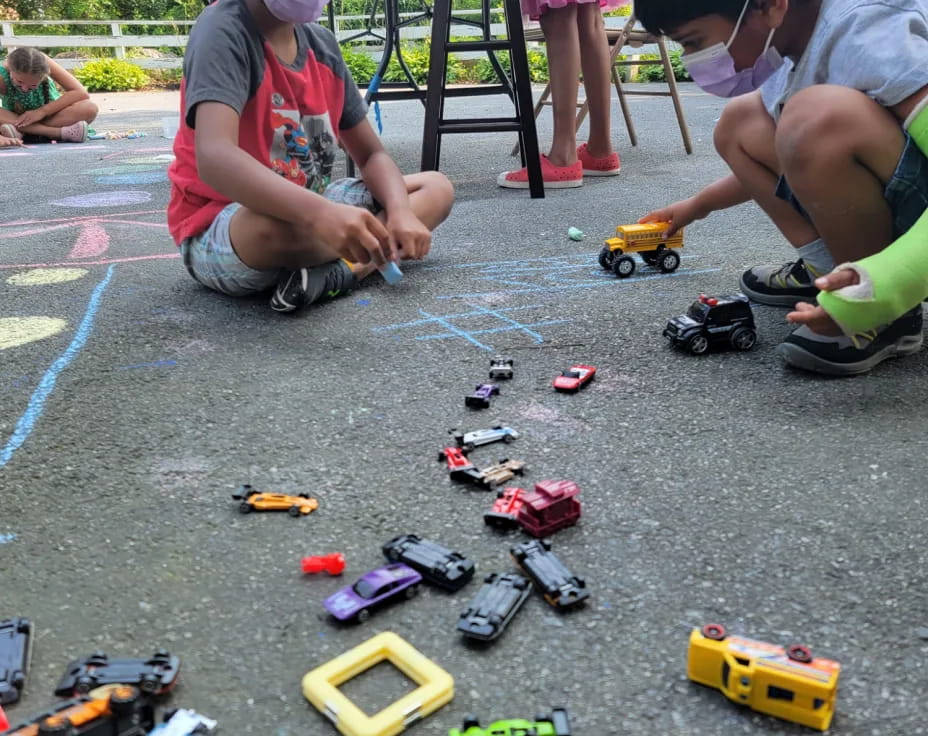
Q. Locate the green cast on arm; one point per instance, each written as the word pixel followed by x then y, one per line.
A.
pixel 894 280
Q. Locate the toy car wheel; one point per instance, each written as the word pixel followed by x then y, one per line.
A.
pixel 623 267
pixel 149 683
pixel 716 632
pixel 468 446
pixel 55 726
pixel 23 626
pixel 606 257
pixel 507 438
pixel 84 684
pixel 470 721
pixel 743 338
pixel 123 699
pixel 669 261
pixel 650 257
pixel 698 344
pixel 441 455
pixel 294 511
pixel 542 718
pixel 799 653
pixel 244 508
pixel 411 592
pixel 363 615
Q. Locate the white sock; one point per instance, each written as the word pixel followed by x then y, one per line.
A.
pixel 816 255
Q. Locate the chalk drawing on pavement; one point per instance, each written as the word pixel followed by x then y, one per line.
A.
pixel 137 179
pixel 44 276
pixel 105 199
pixel 551 274
pixel 483 323
pixel 46 385
pixel 16 331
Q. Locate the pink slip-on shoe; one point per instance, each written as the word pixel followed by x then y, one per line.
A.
pixel 554 177
pixel 76 133
pixel 606 166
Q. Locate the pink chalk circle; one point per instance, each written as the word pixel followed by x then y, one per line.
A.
pixel 104 199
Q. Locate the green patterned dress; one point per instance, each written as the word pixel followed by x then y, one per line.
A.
pixel 15 100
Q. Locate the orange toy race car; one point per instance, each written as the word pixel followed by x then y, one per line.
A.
pixel 122 712
pixel 252 500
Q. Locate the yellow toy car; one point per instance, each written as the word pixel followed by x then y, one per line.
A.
pixel 787 683
pixel 649 241
pixel 252 500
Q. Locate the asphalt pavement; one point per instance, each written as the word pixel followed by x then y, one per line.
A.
pixel 725 488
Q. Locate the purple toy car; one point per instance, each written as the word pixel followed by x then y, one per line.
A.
pixel 373 589
pixel 480 399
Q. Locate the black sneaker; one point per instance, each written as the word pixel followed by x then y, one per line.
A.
pixel 309 285
pixel 849 356
pixel 780 286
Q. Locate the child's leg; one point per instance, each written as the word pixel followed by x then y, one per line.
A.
pixel 838 150
pixel 36 129
pixel 744 137
pixel 84 110
pixel 597 79
pixel 264 242
pixel 561 36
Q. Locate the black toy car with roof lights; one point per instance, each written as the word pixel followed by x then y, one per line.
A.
pixel 559 586
pixel 15 655
pixel 712 321
pixel 152 676
pixel 494 606
pixel 436 563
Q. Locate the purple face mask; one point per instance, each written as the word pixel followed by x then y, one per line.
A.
pixel 713 69
pixel 296 11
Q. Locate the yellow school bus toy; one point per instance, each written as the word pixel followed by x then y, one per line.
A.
pixel 787 683
pixel 648 240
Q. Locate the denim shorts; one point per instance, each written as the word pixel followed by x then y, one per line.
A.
pixel 212 261
pixel 906 192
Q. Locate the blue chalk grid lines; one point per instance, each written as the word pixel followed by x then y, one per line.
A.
pixel 524 276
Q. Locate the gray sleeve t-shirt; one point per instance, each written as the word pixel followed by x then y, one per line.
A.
pixel 879 47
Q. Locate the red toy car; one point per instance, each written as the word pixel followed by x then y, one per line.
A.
pixel 552 506
pixel 459 467
pixel 4 723
pixel 505 508
pixel 334 564
pixel 576 378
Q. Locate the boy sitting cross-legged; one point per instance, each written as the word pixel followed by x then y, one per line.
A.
pixel 829 135
pixel 266 100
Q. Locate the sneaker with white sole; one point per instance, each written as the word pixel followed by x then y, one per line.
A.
pixel 851 356
pixel 309 285
pixel 780 286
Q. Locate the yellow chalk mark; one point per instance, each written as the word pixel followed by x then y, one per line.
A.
pixel 42 276
pixel 15 331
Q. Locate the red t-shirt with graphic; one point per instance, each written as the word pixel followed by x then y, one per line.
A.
pixel 289 113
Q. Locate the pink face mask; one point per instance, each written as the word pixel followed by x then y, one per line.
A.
pixel 296 11
pixel 713 69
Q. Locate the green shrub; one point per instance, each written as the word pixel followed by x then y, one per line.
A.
pixel 361 65
pixel 417 59
pixel 655 73
pixel 111 75
pixel 537 67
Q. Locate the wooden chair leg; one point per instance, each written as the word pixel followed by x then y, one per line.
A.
pixel 675 96
pixel 623 102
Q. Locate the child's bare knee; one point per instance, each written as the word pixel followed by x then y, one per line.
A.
pixel 91 110
pixel 818 121
pixel 440 188
pixel 736 120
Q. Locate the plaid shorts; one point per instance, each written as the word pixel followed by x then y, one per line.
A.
pixel 212 261
pixel 906 193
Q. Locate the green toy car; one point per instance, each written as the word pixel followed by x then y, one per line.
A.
pixel 555 723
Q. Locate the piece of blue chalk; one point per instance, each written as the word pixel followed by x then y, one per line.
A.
pixel 391 273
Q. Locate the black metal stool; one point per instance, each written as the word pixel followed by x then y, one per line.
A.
pixel 518 87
